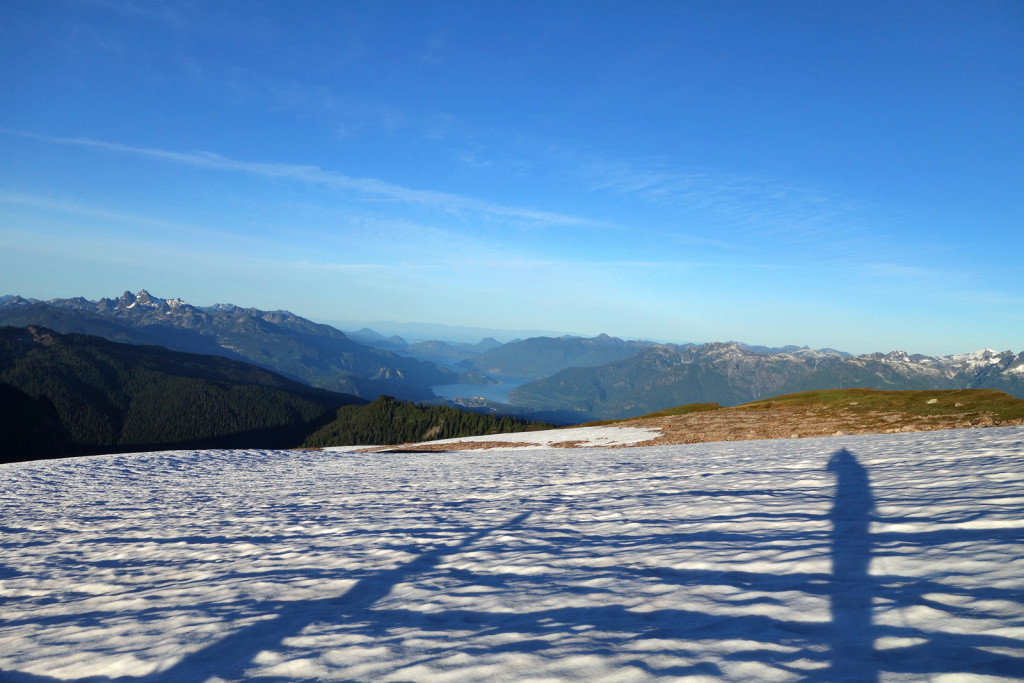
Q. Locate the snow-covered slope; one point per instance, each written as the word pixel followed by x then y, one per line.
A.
pixel 573 437
pixel 891 557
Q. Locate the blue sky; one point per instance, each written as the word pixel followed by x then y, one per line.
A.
pixel 841 174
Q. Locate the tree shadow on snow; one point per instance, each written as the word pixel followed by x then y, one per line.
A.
pixel 841 649
pixel 289 618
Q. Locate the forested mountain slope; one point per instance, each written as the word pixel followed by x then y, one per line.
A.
pixel 390 421
pixel 277 340
pixel 72 394
pixel 730 374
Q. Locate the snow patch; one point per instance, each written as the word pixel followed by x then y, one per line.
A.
pixel 579 436
pixel 982 357
pixel 884 557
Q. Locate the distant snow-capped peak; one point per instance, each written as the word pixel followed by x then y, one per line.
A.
pixel 986 355
pixel 143 298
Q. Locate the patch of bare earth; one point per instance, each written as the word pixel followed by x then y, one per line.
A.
pixel 443 447
pixel 740 424
pixel 737 424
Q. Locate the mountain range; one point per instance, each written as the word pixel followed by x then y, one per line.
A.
pixel 731 373
pixel 544 356
pixel 316 354
pixel 564 379
pixel 78 394
pixel 74 394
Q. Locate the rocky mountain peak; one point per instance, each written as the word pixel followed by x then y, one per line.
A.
pixel 15 300
pixel 129 301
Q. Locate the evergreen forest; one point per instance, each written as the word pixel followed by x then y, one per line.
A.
pixel 75 394
pixel 388 421
pixel 72 394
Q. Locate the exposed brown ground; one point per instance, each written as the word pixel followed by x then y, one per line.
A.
pixel 443 447
pixel 739 424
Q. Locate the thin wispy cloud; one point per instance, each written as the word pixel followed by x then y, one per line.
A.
pixel 370 188
pixel 111 256
pixel 437 47
pixel 798 184
pixel 64 206
pixel 390 245
pixel 902 271
pixel 746 203
pixel 639 265
pixel 132 225
pixel 158 11
pixel 349 116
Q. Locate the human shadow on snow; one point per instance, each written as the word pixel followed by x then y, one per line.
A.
pixel 850 589
pixel 842 648
pixel 853 589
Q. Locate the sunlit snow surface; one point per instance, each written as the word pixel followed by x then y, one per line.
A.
pixel 743 561
pixel 575 436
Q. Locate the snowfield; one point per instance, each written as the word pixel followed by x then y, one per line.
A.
pixel 888 557
pixel 574 436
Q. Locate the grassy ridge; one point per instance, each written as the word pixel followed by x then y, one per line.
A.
pixel 835 412
pixel 966 403
pixel 927 403
pixel 667 412
pixel 685 410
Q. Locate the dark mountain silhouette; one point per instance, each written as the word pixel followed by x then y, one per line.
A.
pixel 577 379
pixel 316 354
pixel 76 394
pixel 390 421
